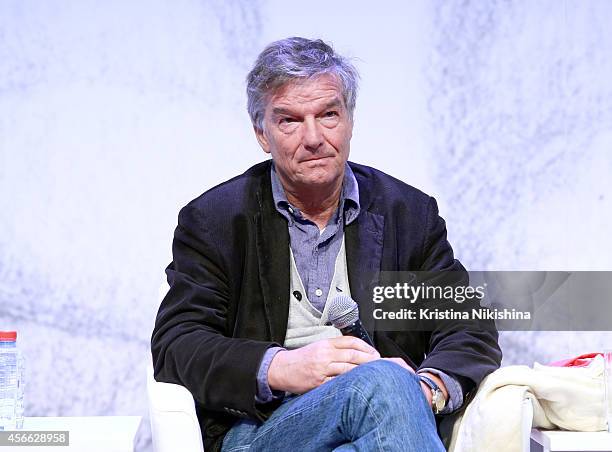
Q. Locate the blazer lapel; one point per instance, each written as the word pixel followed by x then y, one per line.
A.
pixel 364 244
pixel 272 241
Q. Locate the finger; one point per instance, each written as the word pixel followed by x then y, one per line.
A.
pixel 400 362
pixel 351 355
pixel 396 361
pixel 353 342
pixel 326 379
pixel 334 369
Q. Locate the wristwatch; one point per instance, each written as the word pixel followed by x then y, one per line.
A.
pixel 438 402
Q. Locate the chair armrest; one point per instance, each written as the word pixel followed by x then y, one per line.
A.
pixel 526 422
pixel 174 424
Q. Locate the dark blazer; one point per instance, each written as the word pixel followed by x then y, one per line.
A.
pixel 229 291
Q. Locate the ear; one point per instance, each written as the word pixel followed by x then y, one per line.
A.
pixel 261 138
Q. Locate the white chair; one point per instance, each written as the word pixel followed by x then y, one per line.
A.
pixel 174 424
pixel 527 421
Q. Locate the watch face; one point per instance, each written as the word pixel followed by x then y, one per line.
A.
pixel 438 401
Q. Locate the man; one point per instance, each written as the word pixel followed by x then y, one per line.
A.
pixel 257 259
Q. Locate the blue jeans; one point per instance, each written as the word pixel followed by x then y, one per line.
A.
pixel 376 406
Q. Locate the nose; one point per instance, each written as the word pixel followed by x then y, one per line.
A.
pixel 313 136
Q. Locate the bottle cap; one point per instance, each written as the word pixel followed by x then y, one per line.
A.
pixel 8 336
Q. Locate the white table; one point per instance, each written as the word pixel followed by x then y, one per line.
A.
pixel 557 440
pixel 86 434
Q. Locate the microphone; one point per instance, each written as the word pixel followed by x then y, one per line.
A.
pixel 343 313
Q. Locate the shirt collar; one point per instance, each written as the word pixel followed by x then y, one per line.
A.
pixel 349 198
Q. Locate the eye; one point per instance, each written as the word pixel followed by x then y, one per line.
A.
pixel 331 114
pixel 286 120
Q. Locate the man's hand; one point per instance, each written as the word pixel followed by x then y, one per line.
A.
pixel 300 370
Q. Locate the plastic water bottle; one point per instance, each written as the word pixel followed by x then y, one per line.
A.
pixel 11 382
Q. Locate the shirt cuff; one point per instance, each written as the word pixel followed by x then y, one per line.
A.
pixel 264 393
pixel 455 393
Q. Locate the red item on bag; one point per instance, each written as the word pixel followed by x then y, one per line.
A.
pixel 578 361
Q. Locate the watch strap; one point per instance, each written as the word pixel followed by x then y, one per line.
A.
pixel 437 396
pixel 429 382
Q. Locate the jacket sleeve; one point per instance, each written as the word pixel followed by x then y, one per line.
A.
pixel 190 343
pixel 465 349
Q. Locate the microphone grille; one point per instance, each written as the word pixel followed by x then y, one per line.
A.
pixel 343 311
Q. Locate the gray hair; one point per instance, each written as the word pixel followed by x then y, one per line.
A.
pixel 296 58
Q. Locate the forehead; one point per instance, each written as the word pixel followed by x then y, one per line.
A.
pixel 299 94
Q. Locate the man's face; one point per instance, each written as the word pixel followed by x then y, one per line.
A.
pixel 307 130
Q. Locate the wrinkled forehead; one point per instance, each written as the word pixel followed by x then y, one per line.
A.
pixel 325 90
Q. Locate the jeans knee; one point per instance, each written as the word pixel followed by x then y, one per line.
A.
pixel 385 391
pixel 383 377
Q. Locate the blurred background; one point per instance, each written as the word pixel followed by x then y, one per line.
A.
pixel 114 114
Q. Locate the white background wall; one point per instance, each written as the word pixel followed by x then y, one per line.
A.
pixel 114 114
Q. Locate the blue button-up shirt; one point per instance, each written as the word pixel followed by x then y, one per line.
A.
pixel 315 251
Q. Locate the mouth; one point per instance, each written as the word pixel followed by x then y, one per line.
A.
pixel 315 159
